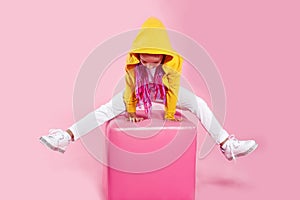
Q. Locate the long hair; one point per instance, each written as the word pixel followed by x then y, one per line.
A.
pixel 143 88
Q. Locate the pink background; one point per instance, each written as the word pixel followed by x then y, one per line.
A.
pixel 254 44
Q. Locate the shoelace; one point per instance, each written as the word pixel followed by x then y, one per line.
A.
pixel 59 136
pixel 55 133
pixel 230 143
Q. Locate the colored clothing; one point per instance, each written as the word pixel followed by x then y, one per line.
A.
pixel 153 39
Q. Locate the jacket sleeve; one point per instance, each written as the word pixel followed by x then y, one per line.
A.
pixel 173 72
pixel 129 93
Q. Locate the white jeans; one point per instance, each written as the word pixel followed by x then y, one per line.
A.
pixel 186 101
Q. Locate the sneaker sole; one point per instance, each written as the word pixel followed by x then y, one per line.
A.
pixel 50 146
pixel 245 153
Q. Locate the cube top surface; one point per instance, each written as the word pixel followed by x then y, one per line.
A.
pixel 156 122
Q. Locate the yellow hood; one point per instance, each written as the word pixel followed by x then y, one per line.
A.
pixel 151 39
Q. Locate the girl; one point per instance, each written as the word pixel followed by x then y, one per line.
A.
pixel 153 72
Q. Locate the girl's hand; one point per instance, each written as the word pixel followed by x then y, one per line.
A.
pixel 175 119
pixel 133 118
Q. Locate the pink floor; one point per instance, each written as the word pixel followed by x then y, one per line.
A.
pixel 255 45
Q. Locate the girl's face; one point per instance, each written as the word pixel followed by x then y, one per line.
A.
pixel 151 60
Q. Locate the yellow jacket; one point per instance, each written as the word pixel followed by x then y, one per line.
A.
pixel 153 39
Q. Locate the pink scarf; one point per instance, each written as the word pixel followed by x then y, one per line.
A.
pixel 146 92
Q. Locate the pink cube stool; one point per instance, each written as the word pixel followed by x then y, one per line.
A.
pixel 151 160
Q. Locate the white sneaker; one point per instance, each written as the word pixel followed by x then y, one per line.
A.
pixel 57 140
pixel 234 148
